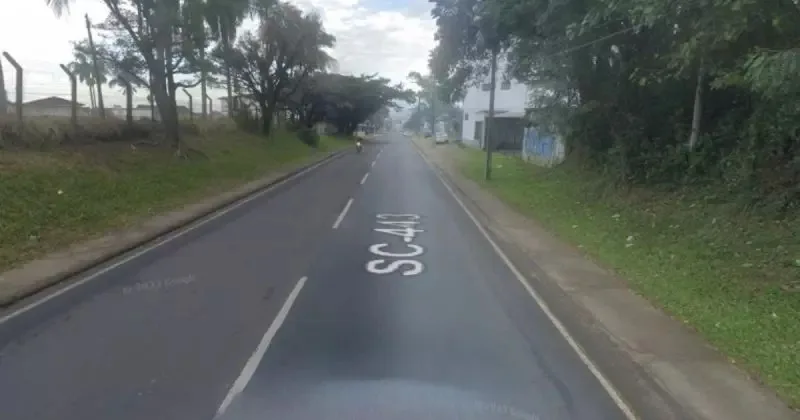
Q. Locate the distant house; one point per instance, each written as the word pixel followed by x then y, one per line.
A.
pixel 511 104
pixel 144 112
pixel 50 107
pixel 245 101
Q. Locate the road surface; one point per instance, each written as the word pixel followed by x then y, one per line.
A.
pixel 361 290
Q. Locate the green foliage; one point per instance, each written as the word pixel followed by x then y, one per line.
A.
pixel 308 136
pixel 82 192
pixel 623 76
pixel 347 101
pixel 273 62
pixel 622 80
pixel 246 121
pixel 732 276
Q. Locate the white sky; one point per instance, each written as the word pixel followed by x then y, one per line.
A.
pixel 388 37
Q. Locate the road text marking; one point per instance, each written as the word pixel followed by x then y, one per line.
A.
pixel 401 228
pixel 155 285
pixel 342 214
pixel 252 363
pixel 363 180
pixel 604 382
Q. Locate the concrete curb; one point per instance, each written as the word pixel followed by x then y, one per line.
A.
pixel 662 369
pixel 50 270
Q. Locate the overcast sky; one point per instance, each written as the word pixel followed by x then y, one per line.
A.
pixel 388 37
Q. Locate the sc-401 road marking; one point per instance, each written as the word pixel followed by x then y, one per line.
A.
pixel 604 382
pixel 363 180
pixel 342 214
pixel 252 363
pixel 166 239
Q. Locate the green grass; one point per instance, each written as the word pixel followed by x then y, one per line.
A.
pixel 734 277
pixel 55 198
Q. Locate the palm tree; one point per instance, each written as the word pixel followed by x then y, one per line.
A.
pixel 223 17
pixel 195 14
pixel 121 83
pixel 84 70
pixel 59 6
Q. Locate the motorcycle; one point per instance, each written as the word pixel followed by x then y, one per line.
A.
pixel 358 146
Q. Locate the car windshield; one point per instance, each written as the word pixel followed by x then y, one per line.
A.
pixel 417 209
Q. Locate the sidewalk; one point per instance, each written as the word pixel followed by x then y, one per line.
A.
pixel 661 368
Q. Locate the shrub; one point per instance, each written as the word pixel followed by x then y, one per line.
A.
pixel 308 136
pixel 47 132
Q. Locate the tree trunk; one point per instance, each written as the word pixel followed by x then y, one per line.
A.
pixel 165 102
pixel 203 77
pixel 267 114
pixel 227 48
pixel 268 111
pixel 97 74
pixel 91 95
pixel 698 107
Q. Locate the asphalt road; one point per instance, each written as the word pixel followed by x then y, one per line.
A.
pixel 291 307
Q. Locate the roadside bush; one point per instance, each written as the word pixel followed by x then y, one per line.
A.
pixel 308 136
pixel 247 121
pixel 41 133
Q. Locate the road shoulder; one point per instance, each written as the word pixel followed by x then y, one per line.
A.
pixel 37 275
pixel 663 369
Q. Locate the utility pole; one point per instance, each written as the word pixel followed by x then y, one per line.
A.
pixel 433 107
pixel 419 113
pixel 487 175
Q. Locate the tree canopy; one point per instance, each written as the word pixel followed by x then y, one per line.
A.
pixel 278 71
pixel 652 91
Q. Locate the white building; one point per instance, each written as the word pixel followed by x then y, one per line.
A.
pixel 511 99
pixel 48 107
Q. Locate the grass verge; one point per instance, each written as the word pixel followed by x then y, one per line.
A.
pixel 734 277
pixel 53 198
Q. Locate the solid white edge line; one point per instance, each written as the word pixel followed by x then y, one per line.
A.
pixel 147 248
pixel 604 382
pixel 342 214
pixel 363 180
pixel 254 360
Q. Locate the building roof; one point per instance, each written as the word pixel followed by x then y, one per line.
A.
pixel 180 108
pixel 51 102
pixel 225 98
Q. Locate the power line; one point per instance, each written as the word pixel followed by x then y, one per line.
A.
pixel 592 42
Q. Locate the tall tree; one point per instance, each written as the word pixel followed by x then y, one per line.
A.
pixel 154 44
pixel 84 70
pixel 272 63
pixel 224 17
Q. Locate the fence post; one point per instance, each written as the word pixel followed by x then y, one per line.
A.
pixel 18 68
pixel 73 83
pixel 191 109
pixel 3 95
